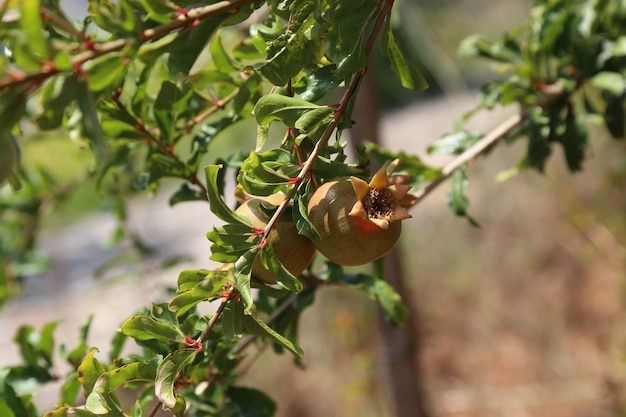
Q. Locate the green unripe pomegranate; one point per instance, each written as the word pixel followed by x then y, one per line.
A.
pixel 292 249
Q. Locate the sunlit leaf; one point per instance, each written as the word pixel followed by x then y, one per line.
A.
pixel 455 143
pixel 216 203
pixel 147 328
pixel 254 325
pixel 609 81
pixel 89 371
pixel 410 77
pixel 168 372
pixel 210 287
pixel 288 110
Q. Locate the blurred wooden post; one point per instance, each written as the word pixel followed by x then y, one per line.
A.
pixel 401 344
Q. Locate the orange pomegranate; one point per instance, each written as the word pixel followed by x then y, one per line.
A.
pixel 358 222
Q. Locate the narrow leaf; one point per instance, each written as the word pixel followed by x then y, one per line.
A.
pixel 147 328
pixel 254 325
pixel 409 76
pixel 168 372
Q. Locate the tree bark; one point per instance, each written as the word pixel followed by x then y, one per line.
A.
pixel 401 344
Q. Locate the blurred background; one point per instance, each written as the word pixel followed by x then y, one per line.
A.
pixel 522 317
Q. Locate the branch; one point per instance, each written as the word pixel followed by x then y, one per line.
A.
pixel 481 146
pixel 182 21
pixel 337 117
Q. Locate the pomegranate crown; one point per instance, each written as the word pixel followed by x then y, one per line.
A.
pixel 383 200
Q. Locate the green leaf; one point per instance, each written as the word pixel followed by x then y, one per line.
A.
pixel 23 338
pixel 168 372
pixel 242 270
pixel 319 82
pixel 351 36
pixel 185 194
pixel 210 287
pixel 5 410
pixel 12 404
pixel 116 18
pixel 158 10
pixel 609 81
pixel 254 325
pixel 251 402
pixel 539 149
pixel 300 212
pixel 376 287
pixel 217 205
pixel 232 318
pixel 188 279
pixel 395 311
pixel 409 76
pixel 56 95
pixel 314 120
pixel 285 58
pixel 455 143
pixel 32 26
pixel 267 173
pixel 91 129
pixel 76 355
pixel 219 56
pixel 89 371
pixel 288 110
pixel 105 73
pixel 12 108
pixel 574 141
pixel 190 44
pixel 146 328
pixel 285 278
pixel 99 400
pixel 70 389
pixel 232 234
pixel 478 45
pixel 614 116
pixel 70 412
pixel 45 345
pixel 457 200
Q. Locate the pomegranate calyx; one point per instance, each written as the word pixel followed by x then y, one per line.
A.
pixel 379 202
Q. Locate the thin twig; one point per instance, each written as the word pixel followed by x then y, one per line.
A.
pixel 481 146
pixel 213 320
pixel 155 408
pixel 337 117
pixel 218 105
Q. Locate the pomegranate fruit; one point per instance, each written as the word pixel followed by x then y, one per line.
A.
pixel 358 222
pixel 292 249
